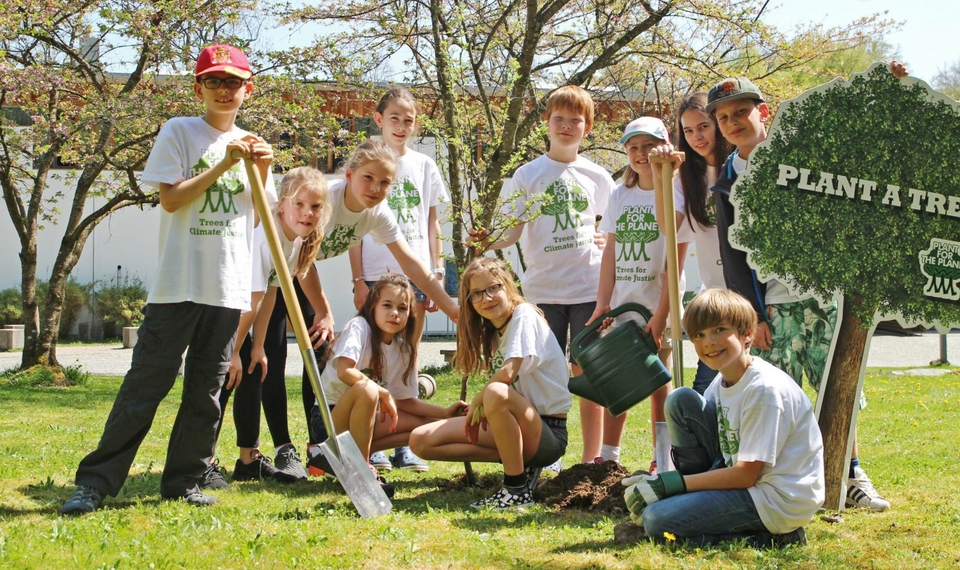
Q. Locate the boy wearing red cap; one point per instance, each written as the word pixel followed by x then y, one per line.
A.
pixel 201 287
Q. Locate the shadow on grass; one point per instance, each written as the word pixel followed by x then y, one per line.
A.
pixel 141 489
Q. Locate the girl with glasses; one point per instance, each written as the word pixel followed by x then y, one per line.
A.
pixel 519 418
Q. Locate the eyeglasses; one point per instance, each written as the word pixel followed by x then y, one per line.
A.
pixel 491 291
pixel 216 82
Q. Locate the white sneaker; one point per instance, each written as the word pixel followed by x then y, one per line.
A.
pixel 556 466
pixel 860 493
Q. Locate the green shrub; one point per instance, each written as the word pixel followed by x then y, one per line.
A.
pixel 121 302
pixel 11 309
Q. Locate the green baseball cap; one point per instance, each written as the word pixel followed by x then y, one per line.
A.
pixel 731 89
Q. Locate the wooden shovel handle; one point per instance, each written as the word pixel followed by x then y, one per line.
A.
pixel 665 192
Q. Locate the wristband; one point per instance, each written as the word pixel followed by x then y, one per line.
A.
pixel 440 270
pixel 356 280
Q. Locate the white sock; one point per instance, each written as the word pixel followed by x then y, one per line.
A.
pixel 610 453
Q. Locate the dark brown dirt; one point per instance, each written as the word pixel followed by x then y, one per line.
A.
pixel 591 487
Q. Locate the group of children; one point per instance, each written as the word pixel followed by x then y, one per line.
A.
pixel 744 440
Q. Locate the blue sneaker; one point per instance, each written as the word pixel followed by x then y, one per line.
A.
pixel 379 460
pixel 405 458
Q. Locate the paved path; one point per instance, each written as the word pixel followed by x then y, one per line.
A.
pixel 885 351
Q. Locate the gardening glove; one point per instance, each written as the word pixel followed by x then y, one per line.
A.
pixel 643 490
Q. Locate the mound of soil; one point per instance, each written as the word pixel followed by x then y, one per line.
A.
pixel 588 486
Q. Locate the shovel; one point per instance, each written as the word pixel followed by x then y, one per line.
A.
pixel 673 264
pixel 340 450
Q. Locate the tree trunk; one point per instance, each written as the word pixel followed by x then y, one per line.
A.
pixel 33 353
pixel 839 396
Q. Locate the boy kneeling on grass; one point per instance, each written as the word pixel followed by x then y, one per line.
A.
pixel 748 453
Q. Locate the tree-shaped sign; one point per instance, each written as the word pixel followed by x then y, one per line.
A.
pixel 855 195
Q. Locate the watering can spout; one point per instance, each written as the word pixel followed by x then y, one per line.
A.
pixel 581 386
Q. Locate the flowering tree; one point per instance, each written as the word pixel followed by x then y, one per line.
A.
pixel 851 196
pixel 486 68
pixel 81 85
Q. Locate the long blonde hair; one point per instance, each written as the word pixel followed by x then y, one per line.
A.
pixel 477 337
pixel 297 179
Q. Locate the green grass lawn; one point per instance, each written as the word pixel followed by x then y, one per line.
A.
pixel 909 446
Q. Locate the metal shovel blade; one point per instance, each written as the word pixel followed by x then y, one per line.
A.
pixel 341 451
pixel 355 476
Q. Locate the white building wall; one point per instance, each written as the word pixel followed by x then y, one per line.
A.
pixel 128 239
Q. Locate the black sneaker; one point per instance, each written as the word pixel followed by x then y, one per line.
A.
pixel 85 499
pixel 196 499
pixel 212 478
pixel 259 468
pixel 504 499
pixel 318 466
pixel 288 465
pixel 388 488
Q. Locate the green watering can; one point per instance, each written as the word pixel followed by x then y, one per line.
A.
pixel 620 369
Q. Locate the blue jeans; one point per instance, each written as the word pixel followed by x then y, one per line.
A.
pixel 692 422
pixel 704 377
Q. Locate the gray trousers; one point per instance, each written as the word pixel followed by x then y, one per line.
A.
pixel 167 330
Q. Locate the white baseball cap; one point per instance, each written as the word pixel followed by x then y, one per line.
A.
pixel 646 126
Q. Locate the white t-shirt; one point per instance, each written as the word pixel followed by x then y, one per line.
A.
pixel 543 375
pixel 641 248
pixel 563 264
pixel 417 188
pixel 354 343
pixel 206 245
pixel 705 240
pixel 777 292
pixel 767 417
pixel 345 229
pixel 264 271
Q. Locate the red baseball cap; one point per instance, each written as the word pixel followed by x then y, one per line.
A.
pixel 227 59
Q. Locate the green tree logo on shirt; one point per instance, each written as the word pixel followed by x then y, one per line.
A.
pixel 403 198
pixel 941 266
pixel 219 195
pixel 636 227
pixel 337 241
pixel 567 201
pixel 729 438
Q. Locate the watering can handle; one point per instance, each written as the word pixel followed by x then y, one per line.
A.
pixel 626 307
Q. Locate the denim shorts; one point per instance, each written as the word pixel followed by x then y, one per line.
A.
pixel 553 442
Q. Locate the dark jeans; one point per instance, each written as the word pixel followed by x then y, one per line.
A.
pixel 167 330
pixel 704 377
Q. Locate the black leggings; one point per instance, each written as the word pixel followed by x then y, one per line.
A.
pixel 272 392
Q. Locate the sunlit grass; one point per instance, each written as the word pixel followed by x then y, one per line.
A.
pixel 908 437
